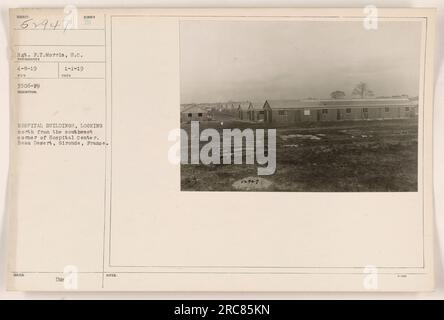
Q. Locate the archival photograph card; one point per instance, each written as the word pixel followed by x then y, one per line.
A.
pixel 338 102
pixel 221 149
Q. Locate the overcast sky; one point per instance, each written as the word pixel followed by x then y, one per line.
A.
pixel 222 61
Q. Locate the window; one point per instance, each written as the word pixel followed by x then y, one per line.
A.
pixel 306 112
pixel 348 110
pixel 282 112
pixel 199 115
pixel 365 110
pixel 387 109
pixel 324 111
pixel 261 112
pixel 190 115
pixel 407 109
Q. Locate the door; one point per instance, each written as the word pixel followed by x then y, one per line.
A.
pixel 268 117
pixel 365 113
pixel 297 116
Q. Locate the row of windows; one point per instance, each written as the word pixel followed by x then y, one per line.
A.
pixel 365 110
pixel 191 115
pixel 284 112
pixel 325 111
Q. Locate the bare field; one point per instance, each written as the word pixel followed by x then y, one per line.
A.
pixel 355 156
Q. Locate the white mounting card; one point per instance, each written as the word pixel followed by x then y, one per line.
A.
pixel 221 149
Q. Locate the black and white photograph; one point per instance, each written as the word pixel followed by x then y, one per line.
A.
pixel 223 152
pixel 300 105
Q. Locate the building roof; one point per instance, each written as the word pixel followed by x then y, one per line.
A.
pixel 194 109
pixel 257 105
pixel 338 103
pixel 291 104
pixel 366 102
pixel 243 105
pixel 228 105
pixel 185 106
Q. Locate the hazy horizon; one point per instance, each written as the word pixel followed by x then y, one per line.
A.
pixel 225 61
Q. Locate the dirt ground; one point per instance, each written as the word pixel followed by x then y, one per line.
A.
pixel 355 156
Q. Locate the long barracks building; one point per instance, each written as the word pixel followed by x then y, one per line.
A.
pixel 333 110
